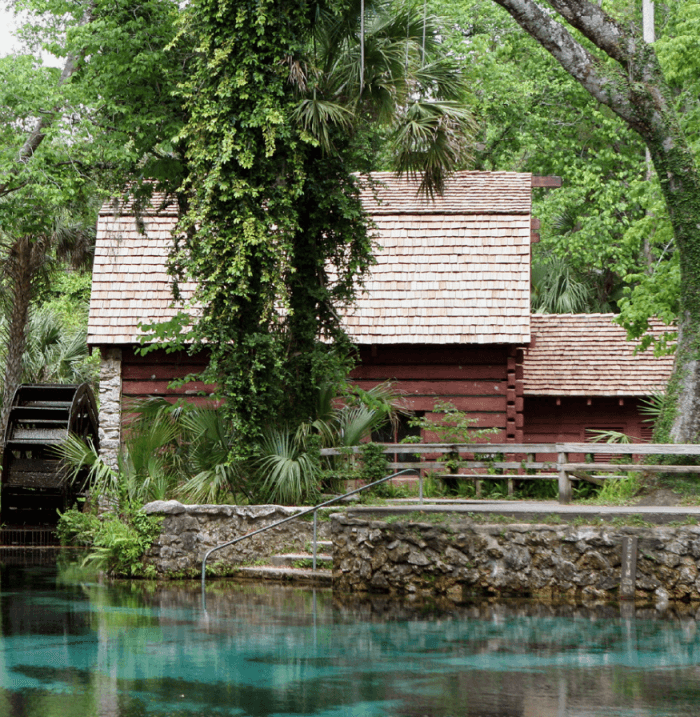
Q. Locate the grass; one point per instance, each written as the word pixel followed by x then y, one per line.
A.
pixel 304 563
pixel 418 516
pixel 616 491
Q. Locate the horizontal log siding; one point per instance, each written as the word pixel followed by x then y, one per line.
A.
pixel 474 378
pixel 151 375
pixel 548 422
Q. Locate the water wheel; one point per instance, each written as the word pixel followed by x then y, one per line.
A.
pixel 34 486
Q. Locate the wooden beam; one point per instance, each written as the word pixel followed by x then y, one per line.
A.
pixel 546 180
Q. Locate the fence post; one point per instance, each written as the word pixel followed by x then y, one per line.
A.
pixel 564 482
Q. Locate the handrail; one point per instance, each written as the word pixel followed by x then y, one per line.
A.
pixel 294 517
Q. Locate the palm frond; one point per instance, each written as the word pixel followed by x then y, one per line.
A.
pixel 317 116
pixel 80 457
pixel 556 290
pixel 432 138
pixel 289 475
pixel 355 424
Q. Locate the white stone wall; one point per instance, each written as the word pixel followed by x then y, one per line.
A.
pixel 110 404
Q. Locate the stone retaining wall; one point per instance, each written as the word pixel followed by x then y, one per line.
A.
pixel 190 530
pixel 462 560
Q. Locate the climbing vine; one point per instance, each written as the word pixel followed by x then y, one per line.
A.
pixel 272 229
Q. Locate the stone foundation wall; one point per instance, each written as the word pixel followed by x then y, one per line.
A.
pixel 110 404
pixel 463 560
pixel 190 530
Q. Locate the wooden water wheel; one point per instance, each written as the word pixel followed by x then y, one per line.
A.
pixel 34 486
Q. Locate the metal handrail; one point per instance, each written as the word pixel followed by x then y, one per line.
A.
pixel 294 517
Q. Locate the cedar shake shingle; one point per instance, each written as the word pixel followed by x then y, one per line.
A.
pixel 454 269
pixel 588 355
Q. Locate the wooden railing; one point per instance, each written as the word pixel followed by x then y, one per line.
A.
pixel 563 462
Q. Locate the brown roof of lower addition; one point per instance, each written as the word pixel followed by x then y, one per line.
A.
pixel 452 270
pixel 588 355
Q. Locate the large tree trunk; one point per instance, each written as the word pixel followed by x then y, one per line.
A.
pixel 636 90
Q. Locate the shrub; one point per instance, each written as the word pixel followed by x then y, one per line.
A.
pixel 117 544
pixel 77 528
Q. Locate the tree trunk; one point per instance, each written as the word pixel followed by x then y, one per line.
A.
pixel 636 90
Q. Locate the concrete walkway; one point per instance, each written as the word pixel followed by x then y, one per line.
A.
pixel 535 511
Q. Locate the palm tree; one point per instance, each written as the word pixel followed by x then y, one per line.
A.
pixel 377 62
pixel 67 239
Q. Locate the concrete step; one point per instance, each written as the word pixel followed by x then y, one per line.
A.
pixel 325 545
pixel 292 559
pixel 320 578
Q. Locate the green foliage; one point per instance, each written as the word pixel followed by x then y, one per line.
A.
pixel 616 491
pixel 117 542
pixel 56 350
pixel 169 451
pixel 289 470
pixel 120 545
pixel 453 426
pixel 375 464
pixel 608 435
pixel 537 490
pixel 653 295
pixel 556 289
pixel 76 527
pixel 256 235
pixel 272 231
pixel 67 295
pixel 652 406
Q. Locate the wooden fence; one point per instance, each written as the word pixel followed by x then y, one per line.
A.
pixel 563 462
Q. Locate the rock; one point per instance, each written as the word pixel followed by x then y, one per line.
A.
pixel 416 557
pixel 677 547
pixel 517 558
pixel 456 557
pixel 379 582
pixel 695 548
pixel 399 553
pixel 455 593
pixel 164 507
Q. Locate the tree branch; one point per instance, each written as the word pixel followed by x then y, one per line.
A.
pixel 571 55
pixel 598 27
pixel 37 135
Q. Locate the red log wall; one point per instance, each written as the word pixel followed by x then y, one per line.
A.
pixel 484 381
pixel 547 422
pixel 151 375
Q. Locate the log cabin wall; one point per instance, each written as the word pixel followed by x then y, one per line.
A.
pixel 480 380
pixel 571 418
pixel 154 373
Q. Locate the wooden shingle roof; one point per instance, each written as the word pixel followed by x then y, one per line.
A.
pixel 455 269
pixel 588 355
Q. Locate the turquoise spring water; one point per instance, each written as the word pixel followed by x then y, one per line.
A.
pixel 72 649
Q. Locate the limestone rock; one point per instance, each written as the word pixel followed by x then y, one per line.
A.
pixel 164 507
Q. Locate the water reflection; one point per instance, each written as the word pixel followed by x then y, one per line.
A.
pixel 83 650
